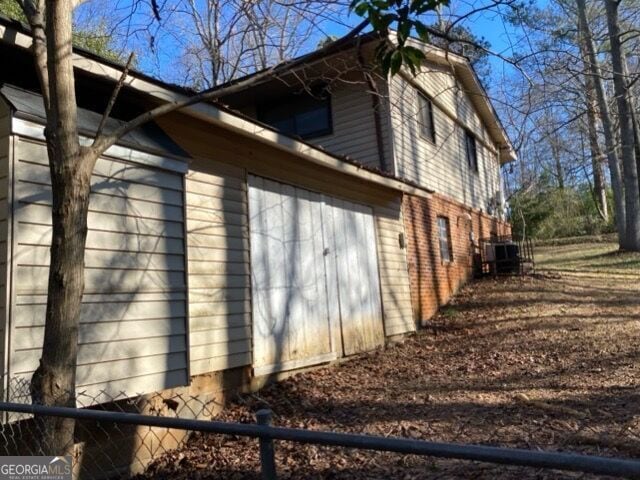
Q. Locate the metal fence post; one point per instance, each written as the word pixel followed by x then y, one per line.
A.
pixel 267 452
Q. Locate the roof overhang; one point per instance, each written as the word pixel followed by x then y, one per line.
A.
pixel 214 114
pixel 457 64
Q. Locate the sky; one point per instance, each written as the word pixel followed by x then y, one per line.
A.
pixel 159 57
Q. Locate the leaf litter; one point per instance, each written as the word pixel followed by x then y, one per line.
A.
pixel 547 362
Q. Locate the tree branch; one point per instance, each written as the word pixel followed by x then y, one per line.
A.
pixel 101 144
pixel 114 96
pixel 156 9
pixel 446 36
pixel 34 11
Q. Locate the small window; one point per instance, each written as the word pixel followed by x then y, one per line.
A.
pixel 444 237
pixel 471 151
pixel 425 117
pixel 304 115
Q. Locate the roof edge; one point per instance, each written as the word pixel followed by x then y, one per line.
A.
pixel 216 114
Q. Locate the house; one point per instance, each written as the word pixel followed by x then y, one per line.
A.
pixel 215 243
pixel 436 130
pixel 231 243
pixel 228 246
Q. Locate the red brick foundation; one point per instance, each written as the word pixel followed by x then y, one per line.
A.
pixel 434 282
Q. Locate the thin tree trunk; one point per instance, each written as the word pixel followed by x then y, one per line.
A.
pixel 597 156
pixel 625 121
pixel 557 162
pixel 636 137
pixel 590 59
pixel 597 164
pixel 53 383
pixel 634 121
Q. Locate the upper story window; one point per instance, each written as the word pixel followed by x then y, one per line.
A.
pixel 471 150
pixel 425 118
pixel 444 237
pixel 303 115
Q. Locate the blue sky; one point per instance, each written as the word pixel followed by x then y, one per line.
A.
pixel 163 62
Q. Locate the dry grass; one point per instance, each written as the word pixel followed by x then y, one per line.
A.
pixel 547 362
pixel 588 258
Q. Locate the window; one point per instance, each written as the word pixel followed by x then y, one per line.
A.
pixel 425 116
pixel 470 147
pixel 444 237
pixel 303 115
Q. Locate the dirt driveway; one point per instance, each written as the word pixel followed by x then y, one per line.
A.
pixel 546 362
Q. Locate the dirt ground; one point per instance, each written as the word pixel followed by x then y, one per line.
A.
pixel 544 362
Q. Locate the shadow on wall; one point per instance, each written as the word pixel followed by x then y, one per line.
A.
pixel 422 256
pixel 312 294
pixel 273 301
pixel 133 315
pixel 434 281
pixel 134 282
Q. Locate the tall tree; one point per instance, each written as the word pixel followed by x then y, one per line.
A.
pixel 631 240
pixel 220 40
pixel 597 156
pixel 590 59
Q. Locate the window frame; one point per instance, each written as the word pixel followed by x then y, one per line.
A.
pixel 441 222
pixel 427 131
pixel 471 150
pixel 290 102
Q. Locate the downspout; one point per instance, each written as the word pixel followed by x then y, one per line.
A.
pixel 375 103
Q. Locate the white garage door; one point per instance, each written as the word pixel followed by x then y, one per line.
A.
pixel 349 229
pixel 314 277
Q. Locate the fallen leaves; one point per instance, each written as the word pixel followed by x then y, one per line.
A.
pixel 546 362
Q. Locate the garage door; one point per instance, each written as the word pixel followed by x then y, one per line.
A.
pixel 315 289
pixel 349 229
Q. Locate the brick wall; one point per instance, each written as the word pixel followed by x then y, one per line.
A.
pixel 434 282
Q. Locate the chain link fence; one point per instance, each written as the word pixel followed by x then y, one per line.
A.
pixel 163 435
pixel 107 449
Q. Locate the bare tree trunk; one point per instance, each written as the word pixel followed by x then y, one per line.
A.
pixel 625 121
pixel 597 164
pixel 634 121
pixel 636 136
pixel 590 59
pixel 53 383
pixel 557 162
pixel 597 156
pixel 634 117
pixel 71 166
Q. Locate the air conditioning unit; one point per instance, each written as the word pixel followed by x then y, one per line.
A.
pixel 504 257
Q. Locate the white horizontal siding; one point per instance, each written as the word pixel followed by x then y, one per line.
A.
pixel 354 130
pixel 218 305
pixel 132 332
pixel 35 131
pixel 394 274
pixel 442 167
pixel 218 256
pixel 5 152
